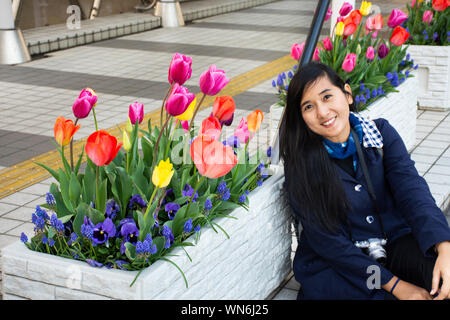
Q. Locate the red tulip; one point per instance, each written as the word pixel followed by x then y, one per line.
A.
pixel 349 29
pixel 211 127
pixel 223 109
pixel 64 130
pixel 180 69
pixel 399 36
pixel 211 157
pixel 440 5
pixel 102 148
pixel 354 17
pixel 136 112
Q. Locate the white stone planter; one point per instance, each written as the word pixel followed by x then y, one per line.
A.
pixel 434 76
pixel 399 108
pixel 249 265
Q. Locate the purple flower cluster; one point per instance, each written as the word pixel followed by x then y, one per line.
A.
pixel 188 191
pixel 223 192
pixel 146 247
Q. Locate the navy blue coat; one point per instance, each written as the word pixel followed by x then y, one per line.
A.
pixel 330 266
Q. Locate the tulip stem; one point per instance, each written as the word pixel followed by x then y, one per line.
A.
pixel 196 110
pixel 71 148
pixel 162 106
pixel 149 204
pixel 155 152
pixel 95 119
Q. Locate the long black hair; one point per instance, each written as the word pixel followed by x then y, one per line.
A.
pixel 312 182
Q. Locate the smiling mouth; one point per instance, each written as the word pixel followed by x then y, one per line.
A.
pixel 329 122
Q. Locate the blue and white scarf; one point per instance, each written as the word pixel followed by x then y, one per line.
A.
pixel 368 135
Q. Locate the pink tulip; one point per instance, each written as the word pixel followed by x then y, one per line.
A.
pixel 211 127
pixel 370 53
pixel 297 50
pixel 345 9
pixel 374 23
pixel 349 62
pixel 396 18
pixel 136 112
pixel 84 103
pixel 329 14
pixel 316 54
pixel 211 158
pixel 212 81
pixel 327 44
pixel 179 100
pixel 427 16
pixel 242 131
pixel 180 69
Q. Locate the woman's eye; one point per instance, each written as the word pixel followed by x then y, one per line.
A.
pixel 328 96
pixel 306 108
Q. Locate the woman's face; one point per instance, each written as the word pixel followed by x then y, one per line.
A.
pixel 325 109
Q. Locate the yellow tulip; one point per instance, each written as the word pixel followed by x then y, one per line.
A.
pixel 340 28
pixel 365 8
pixel 126 142
pixel 187 115
pixel 162 174
pixel 129 126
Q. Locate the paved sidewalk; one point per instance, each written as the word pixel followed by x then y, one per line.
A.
pixel 251 45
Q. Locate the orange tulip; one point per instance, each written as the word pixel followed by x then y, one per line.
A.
pixel 349 29
pixel 64 130
pixel 211 157
pixel 399 36
pixel 102 148
pixel 254 120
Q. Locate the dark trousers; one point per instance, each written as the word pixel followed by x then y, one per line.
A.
pixel 406 261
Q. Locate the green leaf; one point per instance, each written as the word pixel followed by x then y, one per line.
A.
pixel 50 170
pixel 74 189
pixel 61 209
pixel 64 185
pixel 77 166
pixel 100 198
pixel 130 251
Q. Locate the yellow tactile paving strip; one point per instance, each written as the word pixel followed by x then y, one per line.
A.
pixel 27 173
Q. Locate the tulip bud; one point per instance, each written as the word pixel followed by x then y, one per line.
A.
pixel 126 141
pixel 358 49
pixel 129 126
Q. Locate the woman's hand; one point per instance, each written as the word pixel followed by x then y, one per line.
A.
pixel 442 271
pixel 408 291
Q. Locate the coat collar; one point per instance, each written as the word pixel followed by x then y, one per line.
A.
pixel 371 135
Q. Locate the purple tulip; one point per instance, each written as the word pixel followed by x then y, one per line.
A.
pixel 212 81
pixel 179 100
pixel 103 231
pixel 84 103
pixel 136 112
pixel 383 51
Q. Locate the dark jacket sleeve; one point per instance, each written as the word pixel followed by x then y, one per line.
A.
pixel 411 193
pixel 341 254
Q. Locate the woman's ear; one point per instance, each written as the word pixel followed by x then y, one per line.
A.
pixel 349 96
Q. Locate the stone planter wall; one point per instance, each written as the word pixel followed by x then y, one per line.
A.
pixel 249 265
pixel 399 108
pixel 434 76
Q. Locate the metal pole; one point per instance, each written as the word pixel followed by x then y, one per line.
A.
pixel 95 9
pixel 308 52
pixel 13 49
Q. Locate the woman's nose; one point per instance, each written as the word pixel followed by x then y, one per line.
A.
pixel 322 110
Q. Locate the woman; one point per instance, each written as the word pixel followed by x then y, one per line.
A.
pixel 328 192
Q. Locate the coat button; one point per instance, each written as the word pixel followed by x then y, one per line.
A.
pixel 358 187
pixel 369 219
